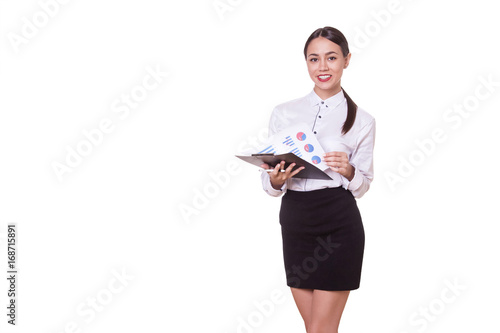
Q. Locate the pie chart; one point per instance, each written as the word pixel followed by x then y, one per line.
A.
pixel 309 148
pixel 301 136
pixel 316 159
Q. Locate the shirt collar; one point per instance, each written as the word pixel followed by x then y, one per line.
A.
pixel 331 102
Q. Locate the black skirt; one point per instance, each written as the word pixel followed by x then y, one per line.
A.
pixel 323 239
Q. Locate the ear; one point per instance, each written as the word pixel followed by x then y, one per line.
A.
pixel 347 60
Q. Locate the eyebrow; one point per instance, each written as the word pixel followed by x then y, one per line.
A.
pixel 327 53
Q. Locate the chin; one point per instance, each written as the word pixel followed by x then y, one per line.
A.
pixel 322 86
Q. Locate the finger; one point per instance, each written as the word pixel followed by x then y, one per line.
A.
pixel 336 159
pixel 329 159
pixel 335 156
pixel 297 171
pixel 335 169
pixel 275 171
pixel 282 166
pixel 265 166
pixel 334 164
pixel 290 168
pixel 333 153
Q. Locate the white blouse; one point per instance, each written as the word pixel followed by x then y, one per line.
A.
pixel 326 119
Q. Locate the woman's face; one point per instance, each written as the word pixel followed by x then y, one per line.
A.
pixel 326 64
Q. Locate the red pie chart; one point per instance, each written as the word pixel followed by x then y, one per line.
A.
pixel 301 136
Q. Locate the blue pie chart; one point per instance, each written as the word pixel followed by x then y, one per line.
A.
pixel 309 148
pixel 301 136
pixel 316 159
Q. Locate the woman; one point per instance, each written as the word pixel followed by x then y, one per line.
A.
pixel 323 235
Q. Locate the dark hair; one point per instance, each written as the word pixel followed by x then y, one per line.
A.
pixel 338 38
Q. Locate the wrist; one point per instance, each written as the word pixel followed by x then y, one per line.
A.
pixel 351 173
pixel 277 186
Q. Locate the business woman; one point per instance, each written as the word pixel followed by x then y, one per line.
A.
pixel 322 230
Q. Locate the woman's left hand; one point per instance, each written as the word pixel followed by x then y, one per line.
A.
pixel 339 162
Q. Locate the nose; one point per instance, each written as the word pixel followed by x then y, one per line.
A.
pixel 323 65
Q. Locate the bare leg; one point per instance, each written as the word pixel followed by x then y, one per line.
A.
pixel 303 298
pixel 327 308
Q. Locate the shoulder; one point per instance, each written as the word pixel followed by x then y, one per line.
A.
pixel 364 124
pixel 363 118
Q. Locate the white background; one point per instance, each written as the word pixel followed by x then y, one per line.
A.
pixel 119 210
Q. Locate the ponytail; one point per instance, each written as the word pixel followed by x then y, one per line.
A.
pixel 351 113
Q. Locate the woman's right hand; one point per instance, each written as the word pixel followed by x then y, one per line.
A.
pixel 279 177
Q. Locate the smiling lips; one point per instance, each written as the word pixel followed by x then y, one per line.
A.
pixel 324 78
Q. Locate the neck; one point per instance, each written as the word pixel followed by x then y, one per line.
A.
pixel 325 94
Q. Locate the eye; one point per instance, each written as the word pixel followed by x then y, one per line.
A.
pixel 313 59
pixel 332 58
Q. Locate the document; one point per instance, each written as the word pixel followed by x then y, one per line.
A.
pixel 295 144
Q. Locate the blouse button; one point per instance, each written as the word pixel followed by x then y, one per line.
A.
pixel 319 116
pixel 315 132
pixel 322 102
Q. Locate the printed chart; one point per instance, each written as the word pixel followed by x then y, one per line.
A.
pixel 299 140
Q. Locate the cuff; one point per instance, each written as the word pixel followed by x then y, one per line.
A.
pixel 274 192
pixel 270 189
pixel 356 181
